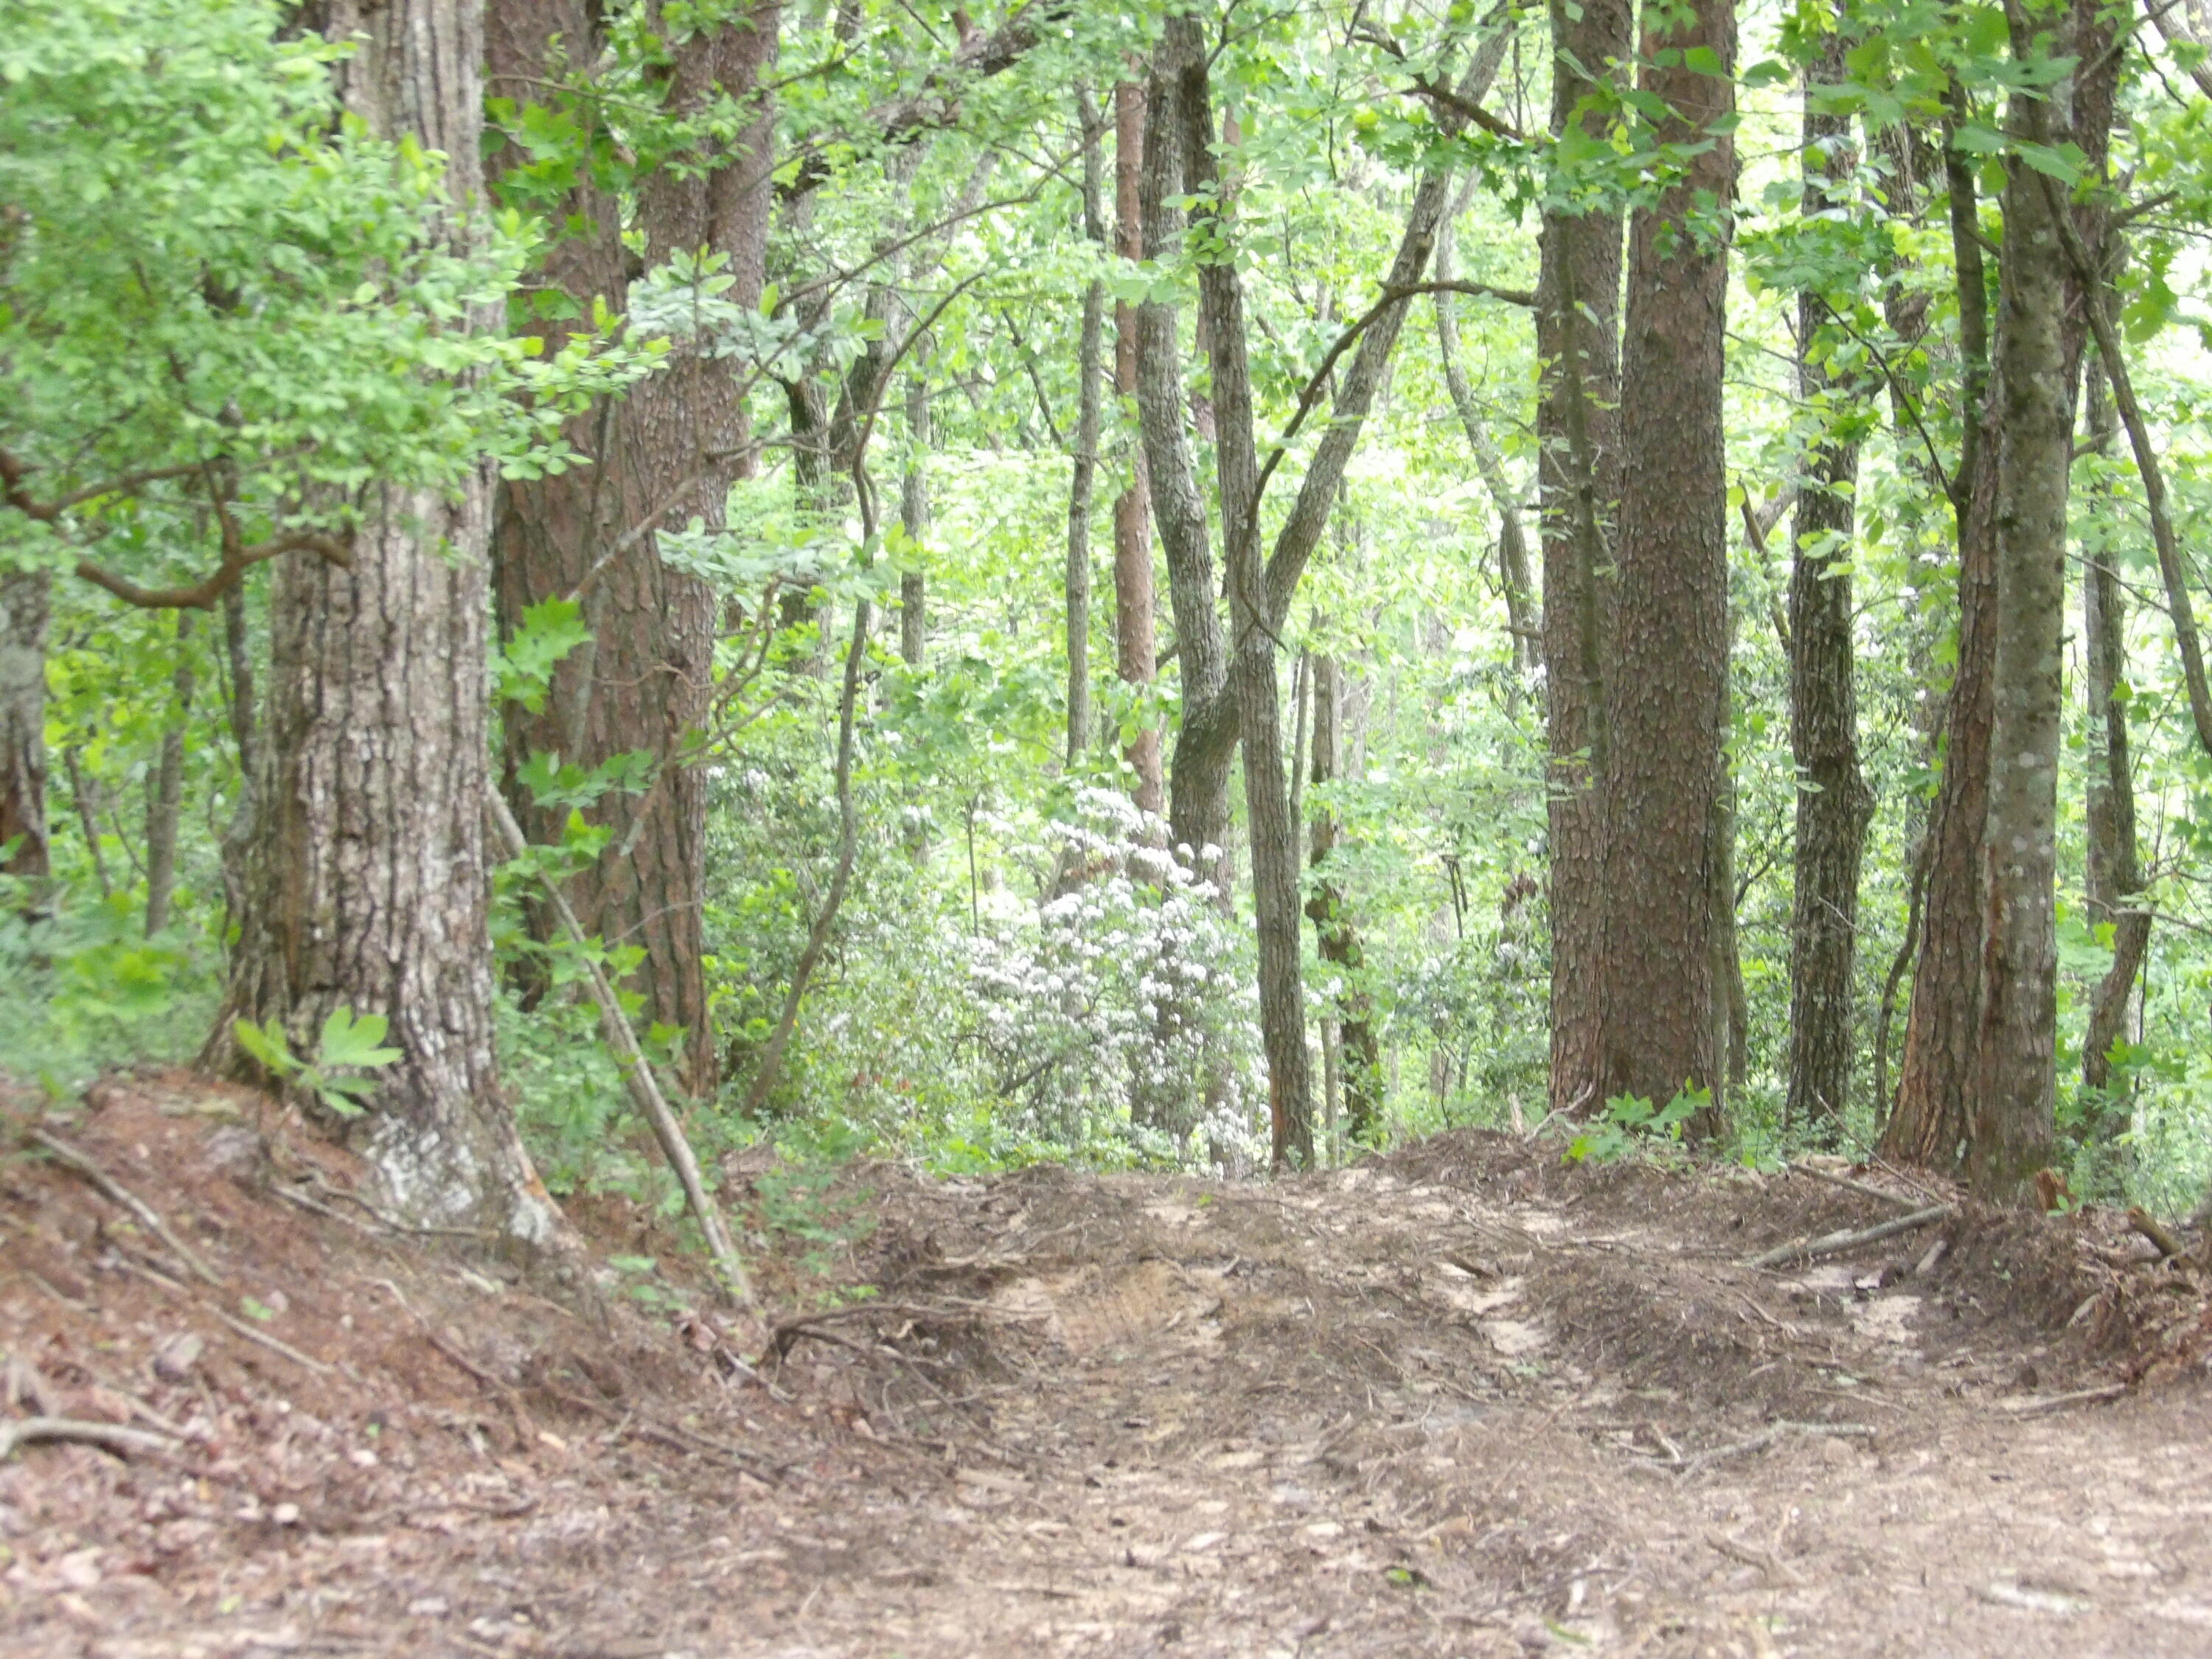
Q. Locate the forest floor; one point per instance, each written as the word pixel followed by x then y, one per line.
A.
pixel 1462 1400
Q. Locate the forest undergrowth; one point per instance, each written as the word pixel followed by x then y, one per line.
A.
pixel 1469 1398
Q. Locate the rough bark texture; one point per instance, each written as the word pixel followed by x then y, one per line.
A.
pixel 2015 1091
pixel 1252 675
pixel 1834 804
pixel 2115 868
pixel 1578 482
pixel 1198 800
pixel 1931 1123
pixel 1667 687
pixel 23 605
pixel 1135 650
pixel 165 806
pixel 370 887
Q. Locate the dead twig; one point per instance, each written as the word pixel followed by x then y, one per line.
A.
pixel 2036 1405
pixel 272 1343
pixel 75 1161
pixel 1777 1570
pixel 1835 1243
pixel 1768 1437
pixel 108 1437
pixel 1849 1185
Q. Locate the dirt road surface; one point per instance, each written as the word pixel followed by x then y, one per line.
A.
pixel 1464 1399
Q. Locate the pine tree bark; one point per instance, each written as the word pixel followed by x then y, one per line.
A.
pixel 1667 680
pixel 1135 650
pixel 1579 483
pixel 369 888
pixel 24 598
pixel 1834 804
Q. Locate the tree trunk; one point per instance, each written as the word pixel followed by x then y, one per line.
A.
pixel 1578 482
pixel 1356 1054
pixel 1667 690
pixel 165 804
pixel 913 520
pixel 238 834
pixel 1252 674
pixel 1931 1122
pixel 2016 1079
pixel 1088 371
pixel 370 886
pixel 1512 542
pixel 24 597
pixel 1834 804
pixel 1198 799
pixel 1135 651
pixel 2115 869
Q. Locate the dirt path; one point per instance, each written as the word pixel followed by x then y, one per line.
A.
pixel 1461 1402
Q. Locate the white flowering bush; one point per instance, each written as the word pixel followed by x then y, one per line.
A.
pixel 1121 1007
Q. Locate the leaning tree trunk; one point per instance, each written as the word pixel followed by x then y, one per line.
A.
pixel 1834 805
pixel 1134 648
pixel 370 887
pixel 23 603
pixel 1578 482
pixel 1668 668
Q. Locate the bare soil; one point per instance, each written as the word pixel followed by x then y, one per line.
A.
pixel 1463 1400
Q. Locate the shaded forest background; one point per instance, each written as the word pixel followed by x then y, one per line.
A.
pixel 1206 585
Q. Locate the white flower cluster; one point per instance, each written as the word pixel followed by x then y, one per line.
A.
pixel 1118 1006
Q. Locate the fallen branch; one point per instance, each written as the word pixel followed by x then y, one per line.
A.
pixel 1852 1186
pixel 1767 1561
pixel 1835 1243
pixel 2036 1405
pixel 271 1343
pixel 108 1437
pixel 68 1156
pixel 1766 1437
pixel 2142 1221
pixel 637 1074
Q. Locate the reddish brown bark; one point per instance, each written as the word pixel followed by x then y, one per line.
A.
pixel 1667 683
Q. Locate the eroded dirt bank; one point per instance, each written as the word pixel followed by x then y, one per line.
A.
pixel 1462 1400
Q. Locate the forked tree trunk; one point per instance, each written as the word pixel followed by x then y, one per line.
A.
pixel 1931 1122
pixel 1667 680
pixel 369 887
pixel 1134 648
pixel 24 597
pixel 1834 805
pixel 1579 483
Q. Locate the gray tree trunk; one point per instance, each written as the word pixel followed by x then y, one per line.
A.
pixel 166 802
pixel 24 597
pixel 370 887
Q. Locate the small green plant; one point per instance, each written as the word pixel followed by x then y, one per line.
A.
pixel 346 1045
pixel 1631 1127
